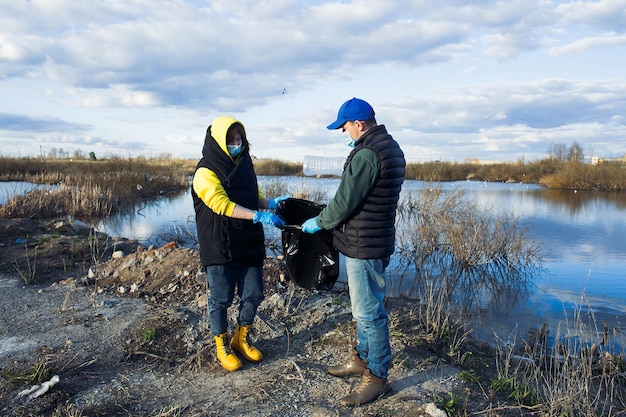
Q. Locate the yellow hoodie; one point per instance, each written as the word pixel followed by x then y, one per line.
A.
pixel 206 184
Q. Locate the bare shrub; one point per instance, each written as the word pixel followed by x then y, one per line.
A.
pixel 571 373
pixel 29 272
pixel 578 176
pixel 441 322
pixel 277 187
pixel 275 167
pixel 91 190
pixel 474 256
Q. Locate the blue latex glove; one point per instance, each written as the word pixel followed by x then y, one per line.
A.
pixel 273 202
pixel 310 226
pixel 268 218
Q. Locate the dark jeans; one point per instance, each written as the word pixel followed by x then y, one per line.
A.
pixel 223 280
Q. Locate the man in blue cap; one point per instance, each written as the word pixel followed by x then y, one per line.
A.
pixel 362 217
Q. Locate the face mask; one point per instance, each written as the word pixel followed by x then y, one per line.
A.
pixel 234 150
pixel 349 141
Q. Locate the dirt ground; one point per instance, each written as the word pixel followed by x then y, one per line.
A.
pixel 130 337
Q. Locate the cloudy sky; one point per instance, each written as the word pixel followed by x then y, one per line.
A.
pixel 451 80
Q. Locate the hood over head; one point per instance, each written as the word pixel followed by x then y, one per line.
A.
pixel 219 129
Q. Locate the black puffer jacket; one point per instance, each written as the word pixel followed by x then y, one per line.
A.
pixel 223 239
pixel 369 233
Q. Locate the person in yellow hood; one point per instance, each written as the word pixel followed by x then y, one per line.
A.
pixel 228 203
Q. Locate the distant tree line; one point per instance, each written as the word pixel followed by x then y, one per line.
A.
pixel 560 152
pixel 562 168
pixel 78 154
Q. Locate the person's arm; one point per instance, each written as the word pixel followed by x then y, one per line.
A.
pixel 209 188
pixel 356 181
pixel 241 212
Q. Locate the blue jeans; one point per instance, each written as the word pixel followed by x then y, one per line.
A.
pixel 223 279
pixel 367 286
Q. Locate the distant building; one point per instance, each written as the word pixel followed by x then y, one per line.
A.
pixel 476 161
pixel 595 160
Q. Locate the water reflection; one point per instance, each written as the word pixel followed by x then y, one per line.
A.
pixel 156 222
pixel 576 201
pixel 11 188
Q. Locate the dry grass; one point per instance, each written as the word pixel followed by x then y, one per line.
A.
pixel 551 173
pixel 28 274
pixel 578 176
pixel 473 256
pixel 460 259
pixel 500 172
pixel 274 167
pixel 89 189
pixel 572 373
pixel 277 187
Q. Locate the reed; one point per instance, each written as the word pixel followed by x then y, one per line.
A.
pixel 474 256
pixel 275 167
pixel 579 176
pixel 461 259
pixel 89 189
pixel 608 176
pixel 497 172
pixel 276 187
pixel 573 373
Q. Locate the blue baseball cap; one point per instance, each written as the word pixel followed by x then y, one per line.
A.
pixel 351 110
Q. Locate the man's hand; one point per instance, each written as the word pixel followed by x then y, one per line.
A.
pixel 310 226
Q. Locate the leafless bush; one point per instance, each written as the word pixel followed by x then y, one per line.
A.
pixel 473 256
pixel 276 167
pixel 29 272
pixel 88 189
pixel 276 187
pixel 579 176
pixel 91 198
pixel 571 373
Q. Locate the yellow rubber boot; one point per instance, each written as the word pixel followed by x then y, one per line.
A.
pixel 229 360
pixel 240 344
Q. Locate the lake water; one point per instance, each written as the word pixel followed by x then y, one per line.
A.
pixel 582 236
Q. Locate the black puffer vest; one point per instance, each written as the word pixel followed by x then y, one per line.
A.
pixel 223 239
pixel 369 233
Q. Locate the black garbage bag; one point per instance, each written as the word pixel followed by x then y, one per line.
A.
pixel 312 261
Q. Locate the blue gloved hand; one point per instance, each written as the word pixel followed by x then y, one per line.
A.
pixel 272 203
pixel 310 226
pixel 268 218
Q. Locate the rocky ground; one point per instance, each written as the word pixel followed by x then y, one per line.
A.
pixel 129 337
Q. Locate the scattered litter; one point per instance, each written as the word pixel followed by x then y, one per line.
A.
pixel 38 390
pixel 432 410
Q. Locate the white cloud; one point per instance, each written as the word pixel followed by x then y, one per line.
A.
pixel 602 14
pixel 585 44
pixel 457 73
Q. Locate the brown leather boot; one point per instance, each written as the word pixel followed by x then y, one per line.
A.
pixel 370 389
pixel 354 366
